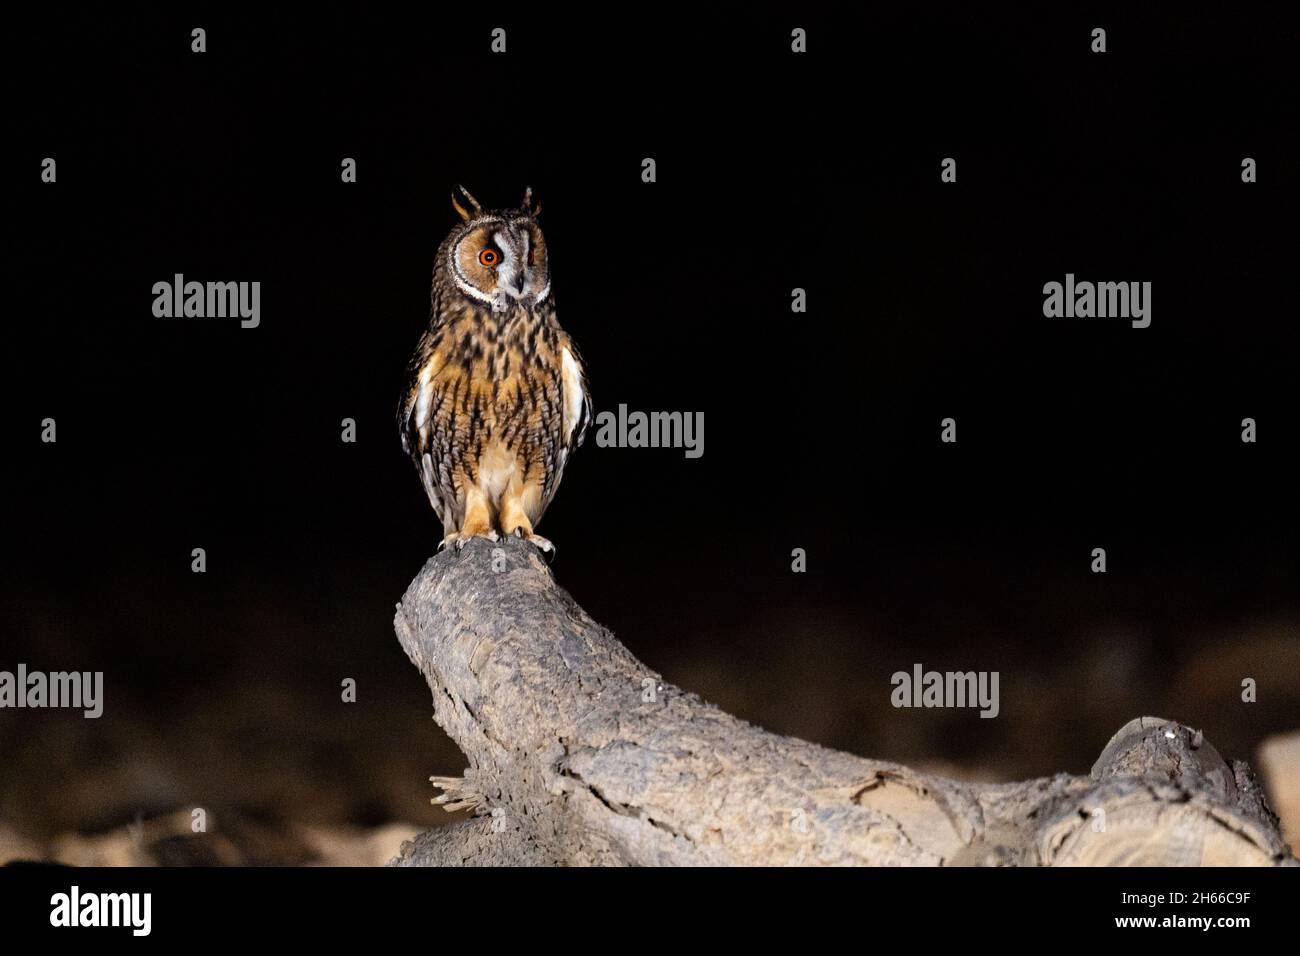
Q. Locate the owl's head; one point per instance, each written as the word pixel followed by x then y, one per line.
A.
pixel 498 256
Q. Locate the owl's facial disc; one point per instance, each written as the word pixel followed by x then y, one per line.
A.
pixel 501 260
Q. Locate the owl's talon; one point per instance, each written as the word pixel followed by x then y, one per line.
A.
pixel 543 544
pixel 524 533
pixel 462 538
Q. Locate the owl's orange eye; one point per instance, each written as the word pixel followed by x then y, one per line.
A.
pixel 489 257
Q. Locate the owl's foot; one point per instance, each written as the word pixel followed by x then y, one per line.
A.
pixel 543 544
pixel 459 539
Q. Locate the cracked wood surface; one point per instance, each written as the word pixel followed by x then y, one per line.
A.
pixel 581 755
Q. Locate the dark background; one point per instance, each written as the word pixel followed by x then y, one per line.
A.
pixel 822 430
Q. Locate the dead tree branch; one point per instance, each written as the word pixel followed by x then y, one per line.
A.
pixel 580 755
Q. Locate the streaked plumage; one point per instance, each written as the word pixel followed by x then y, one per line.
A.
pixel 496 397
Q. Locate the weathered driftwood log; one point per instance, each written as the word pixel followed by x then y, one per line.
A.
pixel 579 754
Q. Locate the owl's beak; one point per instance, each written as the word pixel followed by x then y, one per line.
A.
pixel 515 292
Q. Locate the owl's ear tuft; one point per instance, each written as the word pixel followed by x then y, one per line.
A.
pixel 527 207
pixel 461 199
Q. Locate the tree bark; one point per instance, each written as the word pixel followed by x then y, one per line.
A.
pixel 581 755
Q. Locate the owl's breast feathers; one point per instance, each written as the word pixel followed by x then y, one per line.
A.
pixel 490 395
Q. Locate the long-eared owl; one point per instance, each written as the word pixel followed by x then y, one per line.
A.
pixel 496 395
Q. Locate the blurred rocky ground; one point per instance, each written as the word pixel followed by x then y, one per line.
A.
pixel 284 771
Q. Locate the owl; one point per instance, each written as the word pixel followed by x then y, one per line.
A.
pixel 496 396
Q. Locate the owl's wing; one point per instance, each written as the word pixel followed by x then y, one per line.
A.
pixel 575 404
pixel 415 424
pixel 576 396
